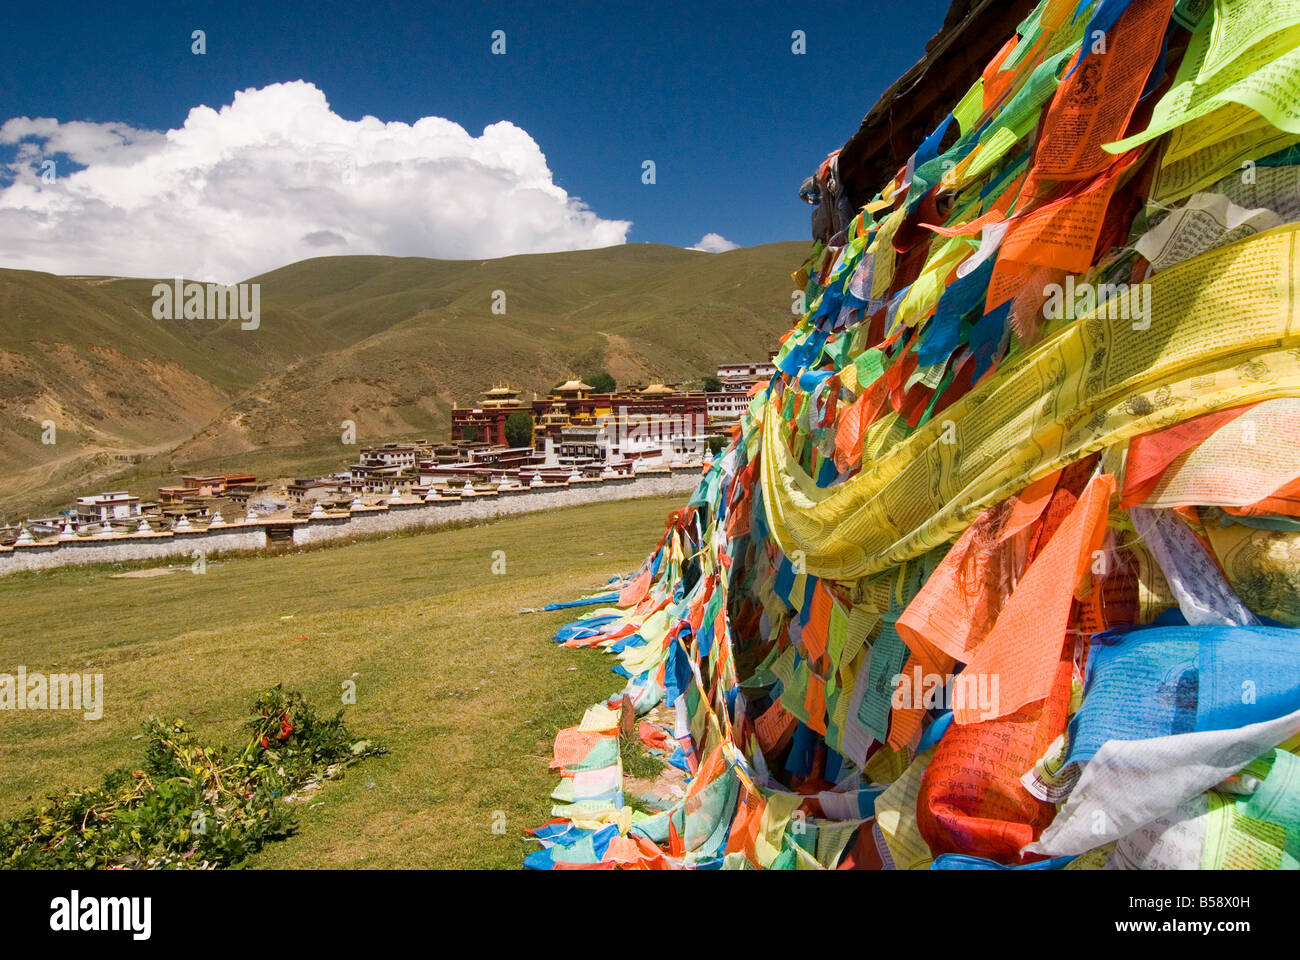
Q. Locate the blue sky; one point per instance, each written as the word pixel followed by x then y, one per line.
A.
pixel 712 93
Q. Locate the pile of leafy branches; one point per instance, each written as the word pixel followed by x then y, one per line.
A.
pixel 190 806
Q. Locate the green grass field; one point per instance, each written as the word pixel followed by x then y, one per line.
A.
pixel 466 693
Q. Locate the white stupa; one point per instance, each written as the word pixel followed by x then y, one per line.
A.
pixel 143 526
pixel 105 529
pixel 608 471
pixel 251 516
pixel 467 489
pixel 182 524
pixel 537 480
pixel 431 495
pixel 68 532
pixel 217 520
pixel 393 497
pixel 24 537
pixel 317 510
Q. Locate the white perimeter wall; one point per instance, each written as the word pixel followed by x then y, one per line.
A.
pixel 369 521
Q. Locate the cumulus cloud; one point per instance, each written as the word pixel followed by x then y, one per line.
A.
pixel 715 243
pixel 274 177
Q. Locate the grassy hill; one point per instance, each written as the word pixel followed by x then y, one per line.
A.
pixel 391 343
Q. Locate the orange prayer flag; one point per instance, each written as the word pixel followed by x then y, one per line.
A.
pixel 1062 233
pixel 635 592
pixel 814 702
pixel 957 606
pixel 1150 454
pixel 848 436
pixel 972 800
pixel 1284 501
pixel 1022 650
pixel 1029 505
pixel 1094 104
pixel 819 622
pixel 697 609
pixel 905 722
pixel 1009 278
pixel 573 744
pixel 774 728
pixel 622 850
pixel 832 395
pixel 737 523
pixel 651 735
pixel 748 820
pixel 676 845
pixel 997 82
pixel 712 768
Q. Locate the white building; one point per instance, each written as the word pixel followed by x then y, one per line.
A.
pixel 379 469
pixel 652 438
pixel 727 406
pixel 741 376
pixel 394 454
pixel 107 507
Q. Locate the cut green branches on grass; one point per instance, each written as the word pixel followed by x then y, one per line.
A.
pixel 191 806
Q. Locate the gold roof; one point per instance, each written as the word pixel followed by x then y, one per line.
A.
pixel 570 386
pixel 658 389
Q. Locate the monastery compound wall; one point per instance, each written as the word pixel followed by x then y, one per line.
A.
pixel 245 536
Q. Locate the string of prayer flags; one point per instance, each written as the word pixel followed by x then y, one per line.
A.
pixel 1001 569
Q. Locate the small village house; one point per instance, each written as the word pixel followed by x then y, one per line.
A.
pixel 109 507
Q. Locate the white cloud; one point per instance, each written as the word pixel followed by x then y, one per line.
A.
pixel 276 177
pixel 714 243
